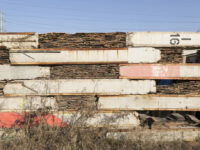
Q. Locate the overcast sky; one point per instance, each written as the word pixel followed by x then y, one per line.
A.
pixel 100 15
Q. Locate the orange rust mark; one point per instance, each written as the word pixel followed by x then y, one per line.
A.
pixel 76 54
pixel 67 49
pixel 84 94
pixel 82 111
pixel 60 63
pixel 17 33
pixel 70 53
pixel 164 64
pixel 154 130
pixel 154 95
pixel 88 53
pixel 117 53
pixel 158 78
pixel 107 95
pixel 149 109
pixel 18 41
pixel 69 111
pixel 54 94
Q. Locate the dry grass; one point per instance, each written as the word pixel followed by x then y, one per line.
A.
pixel 77 137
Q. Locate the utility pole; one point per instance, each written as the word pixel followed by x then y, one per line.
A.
pixel 1 22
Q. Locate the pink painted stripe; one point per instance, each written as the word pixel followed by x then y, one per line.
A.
pixel 150 71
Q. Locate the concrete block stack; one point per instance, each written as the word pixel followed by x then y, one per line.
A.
pixel 110 72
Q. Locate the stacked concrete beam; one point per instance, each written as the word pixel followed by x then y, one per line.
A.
pixel 158 71
pixel 174 47
pixel 38 77
pixel 26 93
pixel 150 102
pixel 23 72
pixel 19 40
pixel 144 71
pixel 84 56
pixel 79 87
pixel 163 39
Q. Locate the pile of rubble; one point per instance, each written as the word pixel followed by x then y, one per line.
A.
pixel 99 71
pixel 4 55
pixel 83 40
pixel 181 87
pixel 169 121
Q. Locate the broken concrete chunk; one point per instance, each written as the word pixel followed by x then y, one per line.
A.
pixel 176 117
pixel 191 119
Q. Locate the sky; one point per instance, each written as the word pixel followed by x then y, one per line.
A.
pixel 73 16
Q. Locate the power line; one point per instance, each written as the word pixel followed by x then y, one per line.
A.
pixel 1 22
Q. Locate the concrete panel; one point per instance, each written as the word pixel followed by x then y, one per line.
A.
pixel 189 52
pixel 96 119
pixel 19 40
pixel 159 71
pixel 27 103
pixel 23 72
pixel 163 39
pixel 143 55
pixel 80 87
pixel 190 71
pixel 149 102
pixel 84 56
pixel 100 119
pixel 170 135
pixel 70 57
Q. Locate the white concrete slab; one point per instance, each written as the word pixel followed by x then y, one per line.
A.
pixel 19 40
pixel 143 55
pixel 149 102
pixel 8 72
pixel 190 71
pixel 27 103
pixel 111 120
pixel 80 87
pixel 100 119
pixel 163 39
pixel 70 56
pixel 189 52
pixel 82 56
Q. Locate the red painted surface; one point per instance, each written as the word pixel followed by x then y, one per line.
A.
pixel 10 119
pixel 13 119
pixel 150 71
pixel 51 120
